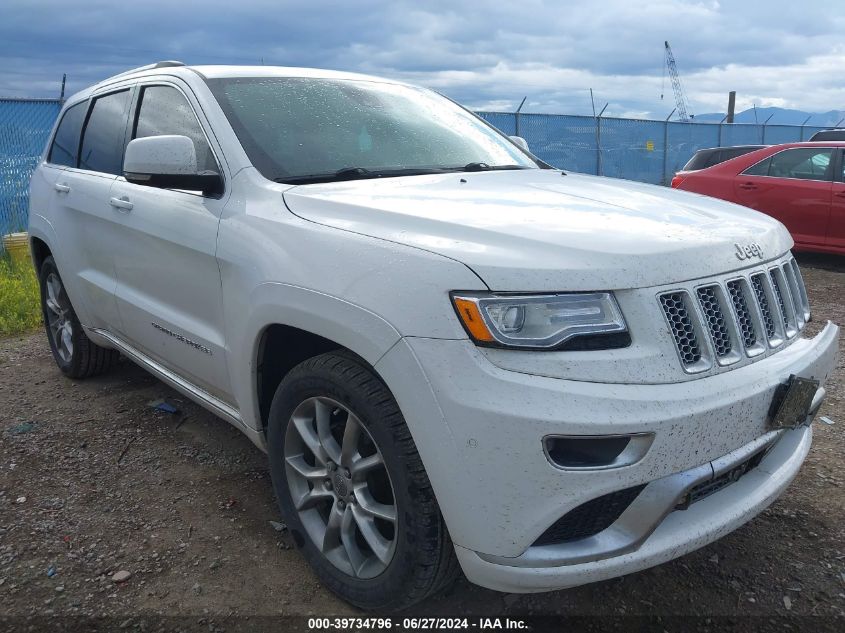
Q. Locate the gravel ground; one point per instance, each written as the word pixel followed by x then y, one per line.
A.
pixel 94 482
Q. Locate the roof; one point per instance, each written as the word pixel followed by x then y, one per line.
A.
pixel 218 72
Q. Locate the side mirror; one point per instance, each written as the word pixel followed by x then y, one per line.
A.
pixel 169 162
pixel 520 142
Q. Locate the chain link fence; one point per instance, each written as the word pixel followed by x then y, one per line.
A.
pixel 635 149
pixel 25 125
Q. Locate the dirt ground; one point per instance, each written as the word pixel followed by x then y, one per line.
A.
pixel 94 481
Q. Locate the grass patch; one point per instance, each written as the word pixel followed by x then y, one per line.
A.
pixel 20 304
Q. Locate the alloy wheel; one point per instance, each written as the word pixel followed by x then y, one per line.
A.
pixel 340 487
pixel 58 317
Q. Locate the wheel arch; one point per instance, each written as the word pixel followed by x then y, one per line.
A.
pixel 40 251
pixel 293 324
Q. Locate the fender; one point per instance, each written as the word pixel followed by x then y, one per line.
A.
pixel 273 303
pixel 40 227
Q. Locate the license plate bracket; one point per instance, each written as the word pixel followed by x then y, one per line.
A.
pixel 792 402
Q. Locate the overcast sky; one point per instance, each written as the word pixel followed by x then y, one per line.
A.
pixel 487 55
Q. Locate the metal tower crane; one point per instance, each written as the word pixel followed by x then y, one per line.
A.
pixel 680 98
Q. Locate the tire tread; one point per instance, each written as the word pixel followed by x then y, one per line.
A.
pixel 436 565
pixel 89 359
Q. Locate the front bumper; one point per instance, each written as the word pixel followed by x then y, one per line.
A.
pixel 479 430
pixel 682 531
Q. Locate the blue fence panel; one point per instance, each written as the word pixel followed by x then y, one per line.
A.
pixel 631 149
pixel 776 134
pixel 742 134
pixel 685 139
pixel 567 142
pixel 24 128
pixel 503 121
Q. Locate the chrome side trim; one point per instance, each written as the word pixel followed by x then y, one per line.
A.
pixel 200 396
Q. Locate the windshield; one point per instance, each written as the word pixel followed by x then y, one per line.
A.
pixel 315 130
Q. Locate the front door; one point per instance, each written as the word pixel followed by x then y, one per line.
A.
pixel 168 290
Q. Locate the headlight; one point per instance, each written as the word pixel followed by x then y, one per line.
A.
pixel 543 322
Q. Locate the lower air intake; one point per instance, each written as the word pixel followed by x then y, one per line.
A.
pixel 589 518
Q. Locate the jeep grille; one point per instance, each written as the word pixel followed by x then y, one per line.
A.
pixel 723 321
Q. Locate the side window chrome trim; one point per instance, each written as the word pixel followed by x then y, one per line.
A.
pixel 63 113
pixel 130 88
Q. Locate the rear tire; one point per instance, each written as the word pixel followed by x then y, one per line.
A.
pixel 325 395
pixel 75 354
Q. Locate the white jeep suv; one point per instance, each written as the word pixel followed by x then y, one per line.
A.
pixel 453 354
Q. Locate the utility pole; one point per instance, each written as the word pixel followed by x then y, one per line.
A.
pixel 62 94
pixel 731 105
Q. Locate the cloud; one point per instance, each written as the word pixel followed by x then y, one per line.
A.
pixel 486 56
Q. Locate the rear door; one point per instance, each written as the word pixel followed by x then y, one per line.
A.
pixel 836 226
pixel 793 186
pixel 168 291
pixel 82 217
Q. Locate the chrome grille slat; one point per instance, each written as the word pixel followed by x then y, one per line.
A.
pixel 686 340
pixel 722 322
pixel 742 313
pixel 802 290
pixel 784 301
pixel 763 301
pixel 714 319
pixel 798 309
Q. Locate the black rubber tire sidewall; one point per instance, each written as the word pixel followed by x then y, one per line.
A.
pixel 71 367
pixel 399 584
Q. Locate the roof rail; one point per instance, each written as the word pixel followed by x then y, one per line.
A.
pixel 162 64
pixel 168 63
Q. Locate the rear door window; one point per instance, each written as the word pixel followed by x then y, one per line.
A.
pixel 165 110
pixel 760 169
pixel 801 163
pixel 714 159
pixel 102 140
pixel 65 147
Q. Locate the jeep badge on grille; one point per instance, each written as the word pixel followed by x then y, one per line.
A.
pixel 749 250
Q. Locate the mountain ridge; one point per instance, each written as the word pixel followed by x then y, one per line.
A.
pixel 779 116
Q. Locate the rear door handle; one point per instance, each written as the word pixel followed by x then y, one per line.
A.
pixel 748 186
pixel 121 203
pixel 61 187
pixel 841 194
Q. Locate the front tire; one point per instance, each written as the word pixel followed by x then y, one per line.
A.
pixel 352 487
pixel 75 354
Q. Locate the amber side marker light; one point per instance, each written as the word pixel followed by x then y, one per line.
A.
pixel 472 320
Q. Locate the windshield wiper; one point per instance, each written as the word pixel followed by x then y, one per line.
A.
pixel 358 173
pixel 486 167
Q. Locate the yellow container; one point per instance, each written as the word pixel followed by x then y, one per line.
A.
pixel 17 245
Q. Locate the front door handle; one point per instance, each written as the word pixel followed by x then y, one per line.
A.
pixel 121 203
pixel 748 186
pixel 840 194
pixel 61 187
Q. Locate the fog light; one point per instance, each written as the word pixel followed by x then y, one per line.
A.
pixel 596 452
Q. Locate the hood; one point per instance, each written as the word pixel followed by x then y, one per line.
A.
pixel 538 230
